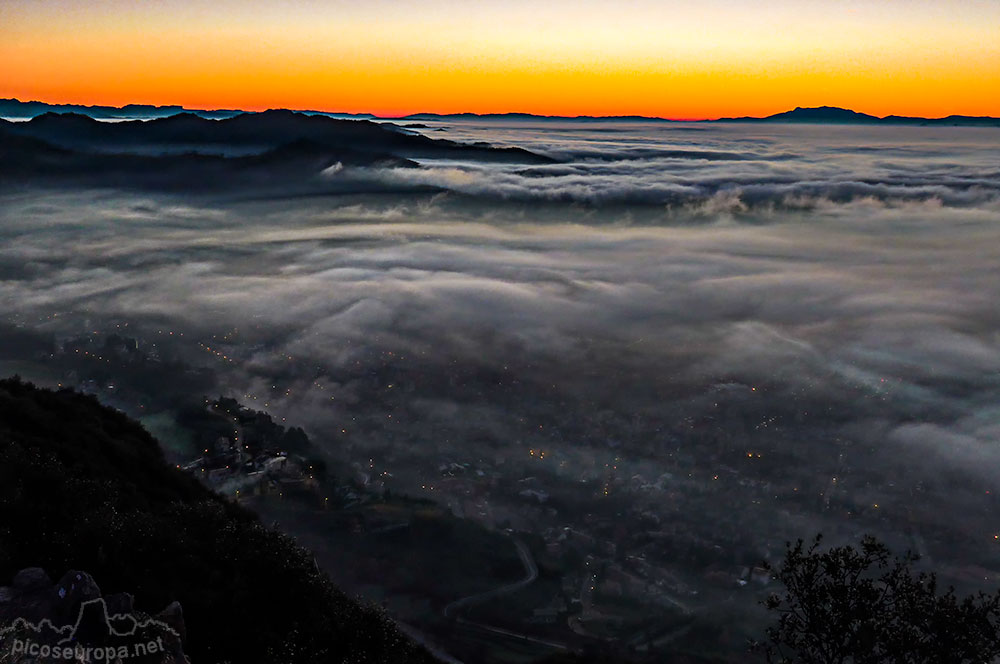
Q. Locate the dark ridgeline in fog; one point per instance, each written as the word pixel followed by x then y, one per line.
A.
pixel 720 336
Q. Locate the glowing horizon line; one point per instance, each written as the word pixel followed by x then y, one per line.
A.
pixel 393 115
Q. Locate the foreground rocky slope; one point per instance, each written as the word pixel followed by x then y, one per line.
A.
pixel 83 487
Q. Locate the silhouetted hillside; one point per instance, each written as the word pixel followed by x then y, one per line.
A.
pixel 818 115
pixel 84 487
pixel 799 115
pixel 834 115
pixel 533 117
pixel 246 133
pixel 271 153
pixel 949 121
pixel 294 167
pixel 15 108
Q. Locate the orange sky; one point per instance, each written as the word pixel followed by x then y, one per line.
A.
pixel 681 59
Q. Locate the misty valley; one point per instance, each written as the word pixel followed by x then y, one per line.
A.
pixel 534 388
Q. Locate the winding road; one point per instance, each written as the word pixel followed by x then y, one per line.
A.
pixel 531 573
pixel 530 568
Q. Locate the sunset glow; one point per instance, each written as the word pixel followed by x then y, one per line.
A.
pixel 681 59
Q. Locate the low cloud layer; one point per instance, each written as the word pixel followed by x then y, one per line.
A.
pixel 751 168
pixel 843 302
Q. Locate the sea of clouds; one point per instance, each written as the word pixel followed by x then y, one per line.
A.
pixel 646 267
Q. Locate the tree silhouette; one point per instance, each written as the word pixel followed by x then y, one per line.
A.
pixel 864 605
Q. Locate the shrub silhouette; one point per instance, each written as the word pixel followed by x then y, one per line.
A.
pixel 864 605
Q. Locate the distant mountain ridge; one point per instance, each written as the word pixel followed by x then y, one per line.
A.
pixel 248 133
pixel 267 153
pixel 834 115
pixel 14 108
pixel 799 115
pixel 818 114
pixel 531 116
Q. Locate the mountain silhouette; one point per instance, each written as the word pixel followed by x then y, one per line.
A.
pixel 275 152
pixel 295 167
pixel 835 115
pixel 250 132
pixel 821 115
pixel 14 108
pixel 798 115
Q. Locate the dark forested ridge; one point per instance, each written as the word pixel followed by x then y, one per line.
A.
pixel 275 150
pixel 251 132
pixel 84 487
